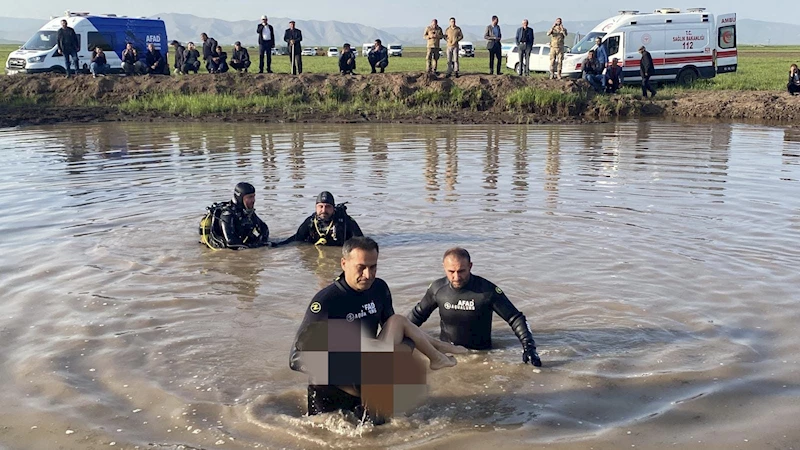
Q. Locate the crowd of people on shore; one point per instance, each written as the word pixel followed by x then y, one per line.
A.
pixel 359 305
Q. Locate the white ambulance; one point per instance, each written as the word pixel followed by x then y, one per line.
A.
pixel 684 45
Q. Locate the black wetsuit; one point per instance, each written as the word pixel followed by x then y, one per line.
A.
pixel 338 307
pixel 341 228
pixel 236 228
pixel 466 313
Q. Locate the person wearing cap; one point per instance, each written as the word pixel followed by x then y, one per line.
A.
pixel 646 70
pixel 179 56
pixel 329 225
pixel 266 42
pixel 293 37
pixel 240 60
pixel 612 77
pixel 235 224
pixel 467 304
pixel 347 60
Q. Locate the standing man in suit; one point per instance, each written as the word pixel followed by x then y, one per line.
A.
pixel 266 42
pixel 524 45
pixel 293 37
pixel 493 35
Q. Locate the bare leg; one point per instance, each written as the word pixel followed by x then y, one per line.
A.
pixel 446 347
pixel 398 327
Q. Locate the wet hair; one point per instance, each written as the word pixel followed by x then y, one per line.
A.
pixel 364 243
pixel 457 252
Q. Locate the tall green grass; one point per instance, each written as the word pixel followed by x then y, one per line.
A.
pixel 533 99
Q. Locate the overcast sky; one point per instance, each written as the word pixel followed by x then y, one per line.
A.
pixel 404 12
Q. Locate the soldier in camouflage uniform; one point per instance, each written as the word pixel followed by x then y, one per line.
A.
pixel 557 34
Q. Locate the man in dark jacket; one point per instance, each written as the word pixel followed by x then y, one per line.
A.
pixel 191 59
pixel 99 64
pixel 209 49
pixel 179 55
pixel 592 72
pixel 219 61
pixel 241 58
pixel 130 61
pixel 647 70
pixel 234 224
pixel 378 56
pixel 347 61
pixel 329 225
pixel 266 42
pixel 68 46
pixel 155 60
pixel 293 37
pixel 612 78
pixel 524 40
pixel 493 36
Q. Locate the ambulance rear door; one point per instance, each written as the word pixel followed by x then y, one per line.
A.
pixel 727 57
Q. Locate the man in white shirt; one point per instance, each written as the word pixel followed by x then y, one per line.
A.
pixel 266 41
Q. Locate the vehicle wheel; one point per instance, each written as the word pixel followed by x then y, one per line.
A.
pixel 516 68
pixel 687 76
pixel 58 69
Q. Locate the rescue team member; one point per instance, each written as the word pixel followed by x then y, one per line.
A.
pixel 433 35
pixel 235 224
pixel 557 34
pixel 356 302
pixel 466 303
pixel 329 225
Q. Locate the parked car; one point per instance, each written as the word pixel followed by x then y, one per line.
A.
pixel 395 50
pixel 466 49
pixel 333 52
pixel 507 46
pixel 308 51
pixel 280 50
pixel 540 58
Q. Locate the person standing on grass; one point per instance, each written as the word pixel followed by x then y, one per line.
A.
pixel 191 59
pixel 433 35
pixel 293 37
pixel 99 64
pixel 647 70
pixel 453 36
pixel 524 41
pixel 493 36
pixel 557 35
pixel 240 60
pixel 209 48
pixel 266 42
pixel 68 45
pixel 794 80
pixel 179 55
pixel 378 56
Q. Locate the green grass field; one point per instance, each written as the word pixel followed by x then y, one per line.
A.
pixel 760 68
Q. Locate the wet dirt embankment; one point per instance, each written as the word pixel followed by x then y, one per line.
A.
pixel 330 98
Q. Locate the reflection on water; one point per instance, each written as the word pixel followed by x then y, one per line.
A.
pixel 655 261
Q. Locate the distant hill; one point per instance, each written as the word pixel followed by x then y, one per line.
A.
pixel 187 27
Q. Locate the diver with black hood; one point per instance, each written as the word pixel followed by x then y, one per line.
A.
pixel 234 224
pixel 329 225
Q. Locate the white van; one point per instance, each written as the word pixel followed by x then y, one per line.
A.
pixel 107 31
pixel 685 46
pixel 366 48
pixel 466 49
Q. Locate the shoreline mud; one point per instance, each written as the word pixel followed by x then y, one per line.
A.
pixel 417 98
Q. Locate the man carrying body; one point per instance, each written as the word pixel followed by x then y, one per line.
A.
pixel 453 35
pixel 466 303
pixel 68 46
pixel 378 56
pixel 266 42
pixel 179 56
pixel 293 37
pixel 191 59
pixel 235 224
pixel 433 35
pixel 241 58
pixel 493 36
pixel 209 49
pixel 155 61
pixel 340 328
pixel 347 60
pixel 329 225
pixel 557 35
pixel 524 41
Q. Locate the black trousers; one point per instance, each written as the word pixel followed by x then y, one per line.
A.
pixel 496 52
pixel 325 399
pixel 244 65
pixel 793 88
pixel 264 49
pixel 647 87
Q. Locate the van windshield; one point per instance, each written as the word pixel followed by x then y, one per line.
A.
pixel 42 40
pixel 466 46
pixel 586 43
pixel 395 47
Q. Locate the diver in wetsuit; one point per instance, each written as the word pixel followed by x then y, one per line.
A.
pixel 235 224
pixel 466 303
pixel 329 225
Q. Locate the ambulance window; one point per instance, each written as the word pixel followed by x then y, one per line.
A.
pixel 612 45
pixel 104 41
pixel 727 37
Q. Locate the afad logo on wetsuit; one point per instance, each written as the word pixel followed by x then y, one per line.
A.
pixel 463 305
pixel 370 309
